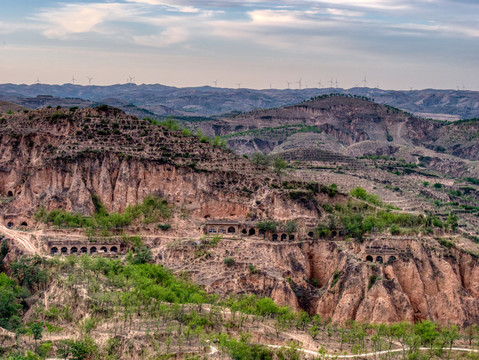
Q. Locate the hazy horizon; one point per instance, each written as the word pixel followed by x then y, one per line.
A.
pixel 187 43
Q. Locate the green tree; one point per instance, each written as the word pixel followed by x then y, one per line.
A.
pixel 279 165
pixel 267 225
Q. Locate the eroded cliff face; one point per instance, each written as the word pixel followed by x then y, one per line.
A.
pixel 421 284
pixel 59 160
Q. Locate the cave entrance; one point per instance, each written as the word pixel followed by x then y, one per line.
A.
pixel 284 237
pixel 311 234
pixel 252 232
pixel 10 194
pixel 10 225
pixel 275 237
pixel 231 230
pixel 24 223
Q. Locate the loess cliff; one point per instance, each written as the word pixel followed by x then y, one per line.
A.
pixel 60 158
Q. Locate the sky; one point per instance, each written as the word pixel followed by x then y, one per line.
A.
pixel 391 44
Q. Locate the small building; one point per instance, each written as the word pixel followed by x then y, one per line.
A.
pixel 381 254
pixel 74 247
pixel 227 227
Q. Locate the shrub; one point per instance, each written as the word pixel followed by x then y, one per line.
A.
pixel 437 185
pixel 229 262
pixel 164 227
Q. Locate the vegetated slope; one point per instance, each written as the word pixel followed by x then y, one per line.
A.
pixel 61 158
pixel 6 106
pixel 208 101
pixel 345 125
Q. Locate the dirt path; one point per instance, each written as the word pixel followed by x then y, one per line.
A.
pixel 371 354
pixel 19 237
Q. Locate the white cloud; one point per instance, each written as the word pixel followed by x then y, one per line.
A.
pixel 82 18
pixel 169 36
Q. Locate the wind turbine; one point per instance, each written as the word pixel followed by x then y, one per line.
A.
pixel 331 82
pixel 336 83
pixel 73 80
pixel 239 85
pixel 216 83
pixel 319 84
pixel 365 82
pixel 38 80
pixel 299 83
pixel 289 83
pixel 130 79
pixel 89 80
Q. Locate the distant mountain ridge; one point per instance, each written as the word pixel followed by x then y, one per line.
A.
pixel 209 101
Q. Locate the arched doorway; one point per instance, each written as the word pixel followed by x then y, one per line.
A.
pixel 10 194
pixel 251 232
pixel 73 250
pixel 103 248
pixel 291 237
pixel 369 258
pixel 54 250
pixel 64 251
pixel 114 249
pixel 231 230
pixel 244 231
pixel 392 259
pixel 93 250
pixel 379 259
pixel 334 233
pixel 311 234
pixel 275 237
pixel 24 224
pixel 10 225
pixel 284 237
pixel 221 230
pixel 84 250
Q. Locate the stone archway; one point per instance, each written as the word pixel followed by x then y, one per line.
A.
pixel 379 259
pixel 64 250
pixel 311 234
pixel 10 224
pixel 114 249
pixel 93 250
pixel 221 230
pixel 231 230
pixel 251 232
pixel 392 258
pixel 10 194
pixel 244 231
pixel 84 250
pixel 284 237
pixel 291 237
pixel 275 237
pixel 103 248
pixel 54 250
pixel 24 224
pixel 369 258
pixel 73 250
pixel 334 233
